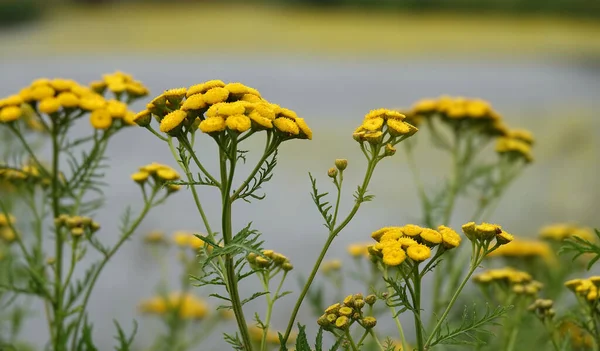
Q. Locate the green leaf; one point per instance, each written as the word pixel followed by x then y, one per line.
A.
pixel 302 340
pixel 125 342
pixel 323 206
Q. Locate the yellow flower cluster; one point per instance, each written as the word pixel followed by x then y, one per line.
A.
pixel 188 239
pixel 359 249
pixel 120 83
pixel 520 248
pixel 56 97
pixel 542 308
pixel 586 288
pixel 29 174
pixel 380 123
pixel 395 244
pixel 331 266
pixel 343 315
pixel 580 339
pixel 486 232
pixel 561 231
pixel 187 305
pixel 6 232
pixel 214 107
pixel 517 144
pixel 461 110
pixel 271 260
pixel 518 281
pixel 159 173
pixel 77 225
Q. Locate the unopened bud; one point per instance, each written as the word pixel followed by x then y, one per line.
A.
pixel 286 266
pixel 252 257
pixel 370 299
pixel 369 322
pixel 341 164
pixel 389 150
pixel 332 172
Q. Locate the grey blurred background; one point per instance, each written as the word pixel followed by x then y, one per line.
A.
pixel 331 64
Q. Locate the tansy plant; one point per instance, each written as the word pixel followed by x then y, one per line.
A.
pixel 61 196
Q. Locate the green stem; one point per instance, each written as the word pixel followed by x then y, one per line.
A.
pixel 148 205
pixel 189 148
pixel 350 340
pixel 269 150
pixel 394 314
pixel 339 196
pixel 417 307
pixel 270 303
pixel 476 260
pixel 330 238
pixel 376 339
pixel 58 289
pixel 232 282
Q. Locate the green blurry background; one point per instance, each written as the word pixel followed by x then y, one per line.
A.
pixel 331 61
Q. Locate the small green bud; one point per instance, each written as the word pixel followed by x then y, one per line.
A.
pixel 332 172
pixel 369 322
pixel 341 164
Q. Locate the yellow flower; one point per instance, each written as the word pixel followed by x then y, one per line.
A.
pixel 521 134
pixel 117 87
pixel 241 89
pixel 5 221
pixel 155 237
pixel 175 95
pixel 411 230
pixel 394 257
pixel 60 84
pixel 7 234
pixel 239 123
pixel 385 114
pixel 286 125
pixel 373 124
pixel 504 238
pixel 15 100
pixel 425 106
pixel 430 237
pixel 373 138
pixel 376 235
pixel 450 238
pixel 167 174
pixel 182 238
pixel 250 98
pixel 332 265
pixel 172 121
pixel 155 305
pixel 101 119
pixel 212 125
pixel 573 284
pixel 41 92
pixel 140 177
pixel 356 250
pixel 92 102
pixel 260 121
pixel 49 105
pixel 204 87
pixel 397 127
pixel 10 113
pixel 418 252
pixel 142 118
pixel 194 102
pixel 406 241
pixel 487 230
pixel 117 109
pixel 136 89
pixel 68 99
pixel 216 95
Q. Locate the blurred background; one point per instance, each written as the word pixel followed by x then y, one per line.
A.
pixel 536 61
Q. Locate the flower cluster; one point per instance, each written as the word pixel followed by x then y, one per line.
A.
pixel 63 99
pixel 6 232
pixel 187 306
pixel 486 232
pixel 542 309
pixel 586 289
pixel 381 123
pixel 270 260
pixel 28 174
pixel 395 244
pixel 517 144
pixel 78 226
pixel 562 231
pixel 520 248
pixel 120 83
pixel 343 315
pixel 215 107
pixel 509 278
pixel 186 239
pixel 159 174
pixel 464 112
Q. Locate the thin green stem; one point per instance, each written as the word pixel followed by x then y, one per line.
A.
pixel 330 238
pixel 417 307
pixel 232 281
pixel 350 340
pixel 338 185
pixel 372 332
pixel 270 303
pixel 147 206
pixel 269 150
pixel 394 313
pixel 189 148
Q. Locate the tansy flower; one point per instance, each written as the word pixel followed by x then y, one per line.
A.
pixel 406 241
pixel 68 99
pixel 287 113
pixel 394 258
pixel 167 174
pixel 212 125
pixel 143 118
pixel 140 177
pixel 155 237
pixel 357 250
pixel 5 221
pixel 430 237
pixel 286 125
pixel 172 121
pixel 373 138
pixel 397 127
pixel 193 103
pixel 304 128
pixel 332 265
pixel 450 238
pixel 92 102
pixel 504 238
pixel 101 119
pixel 411 230
pixel 418 252
pixel 216 95
pixel 49 105
pixel 60 84
pixel 373 124
pixel 10 113
pixel 251 98
pixel 204 87
pixel 487 230
pixel 239 123
pixel 175 95
pixel 117 109
pixel 240 89
pixel 41 92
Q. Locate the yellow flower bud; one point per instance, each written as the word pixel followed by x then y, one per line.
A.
pixel 341 164
pixel 332 172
